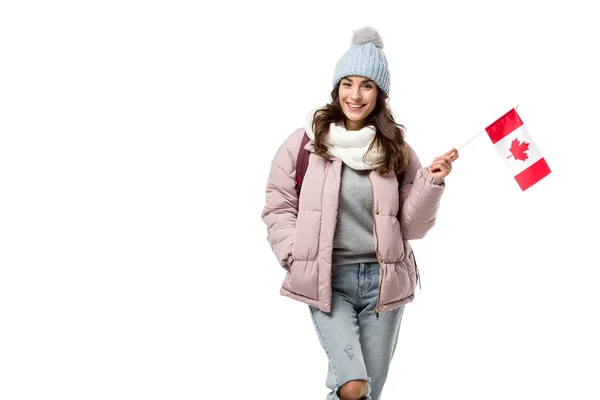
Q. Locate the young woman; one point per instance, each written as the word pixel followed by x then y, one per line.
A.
pixel 344 240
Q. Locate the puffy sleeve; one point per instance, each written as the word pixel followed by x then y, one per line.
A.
pixel 420 195
pixel 281 206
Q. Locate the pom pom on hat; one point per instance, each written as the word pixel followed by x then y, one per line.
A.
pixel 367 34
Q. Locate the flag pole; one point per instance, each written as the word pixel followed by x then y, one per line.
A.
pixel 467 142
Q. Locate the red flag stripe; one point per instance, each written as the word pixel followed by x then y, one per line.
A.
pixel 533 174
pixel 504 125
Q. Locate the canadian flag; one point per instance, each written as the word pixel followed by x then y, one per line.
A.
pixel 514 144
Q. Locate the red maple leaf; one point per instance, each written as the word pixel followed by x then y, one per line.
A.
pixel 518 150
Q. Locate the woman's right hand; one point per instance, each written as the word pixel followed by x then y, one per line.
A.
pixel 442 165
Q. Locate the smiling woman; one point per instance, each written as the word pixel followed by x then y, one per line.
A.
pixel 343 240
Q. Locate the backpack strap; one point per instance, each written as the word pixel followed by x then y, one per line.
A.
pixel 301 163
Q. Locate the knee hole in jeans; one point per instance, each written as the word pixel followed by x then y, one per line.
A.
pixel 353 390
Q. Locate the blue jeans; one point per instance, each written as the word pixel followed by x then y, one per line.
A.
pixel 358 345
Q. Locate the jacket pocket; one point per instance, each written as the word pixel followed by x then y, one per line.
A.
pixel 303 279
pixel 289 261
pixel 397 283
pixel 307 231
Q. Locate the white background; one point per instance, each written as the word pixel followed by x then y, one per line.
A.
pixel 136 139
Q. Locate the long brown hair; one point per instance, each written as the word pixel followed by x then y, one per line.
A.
pixel 389 135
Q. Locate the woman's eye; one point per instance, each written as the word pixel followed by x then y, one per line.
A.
pixel 346 84
pixel 367 86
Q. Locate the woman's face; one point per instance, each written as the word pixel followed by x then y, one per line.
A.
pixel 358 97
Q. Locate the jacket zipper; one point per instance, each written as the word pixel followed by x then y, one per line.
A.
pixel 376 247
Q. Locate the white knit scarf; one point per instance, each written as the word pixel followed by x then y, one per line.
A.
pixel 348 146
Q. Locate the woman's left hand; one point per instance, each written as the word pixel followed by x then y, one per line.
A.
pixel 442 165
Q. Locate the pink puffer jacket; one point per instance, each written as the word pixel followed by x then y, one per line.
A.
pixel 302 239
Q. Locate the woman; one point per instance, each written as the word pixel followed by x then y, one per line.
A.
pixel 344 240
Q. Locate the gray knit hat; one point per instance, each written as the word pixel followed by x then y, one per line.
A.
pixel 365 58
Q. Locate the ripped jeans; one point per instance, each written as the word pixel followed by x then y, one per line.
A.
pixel 358 345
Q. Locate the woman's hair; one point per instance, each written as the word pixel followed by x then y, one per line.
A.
pixel 389 135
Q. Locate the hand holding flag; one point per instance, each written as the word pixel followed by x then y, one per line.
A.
pixel 442 165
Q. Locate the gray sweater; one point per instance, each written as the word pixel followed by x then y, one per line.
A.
pixel 354 241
